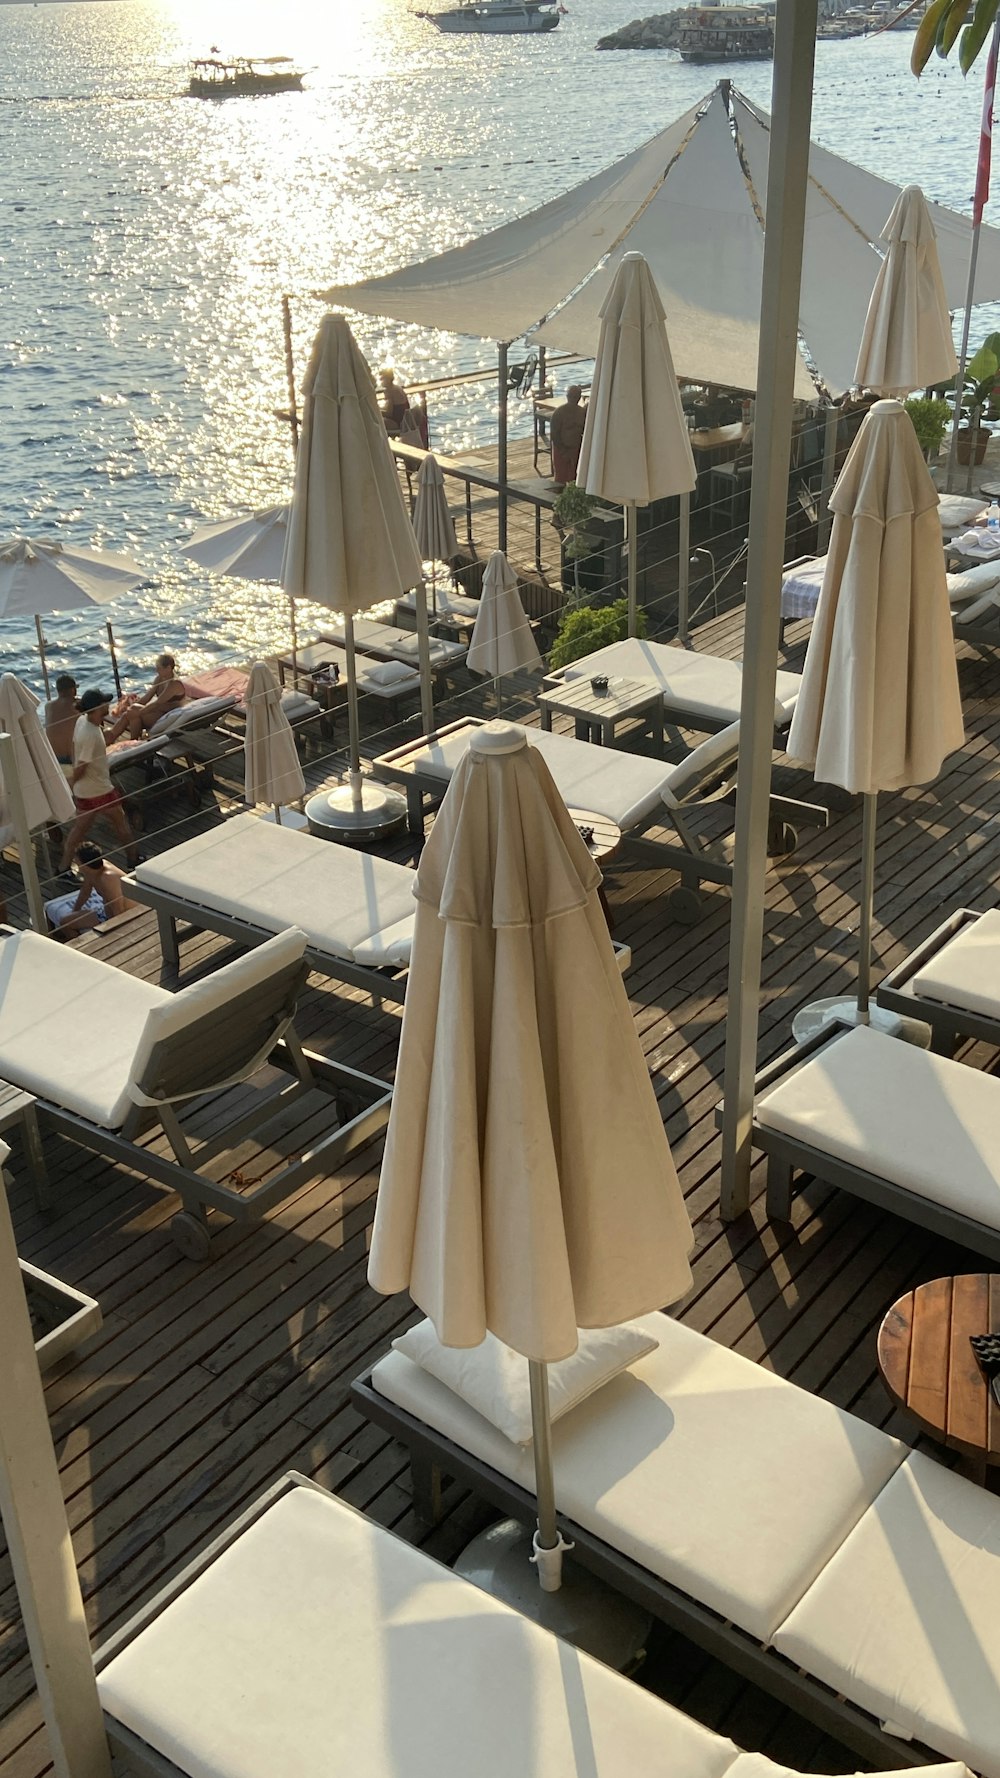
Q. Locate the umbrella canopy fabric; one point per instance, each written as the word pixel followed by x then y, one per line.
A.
pixel 433 526
pixel 635 440
pixel 879 707
pixel 250 547
pixel 907 341
pixel 502 641
pixel 273 772
pixel 527 1187
pixel 44 790
pixel 37 576
pixel 350 542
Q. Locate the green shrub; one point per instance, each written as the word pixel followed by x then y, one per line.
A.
pixel 588 627
pixel 930 416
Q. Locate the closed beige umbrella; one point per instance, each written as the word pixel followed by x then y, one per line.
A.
pixel 502 641
pixel 273 772
pixel 527 1188
pixel 907 342
pixel 879 707
pixel 635 441
pixel 350 543
pixel 433 525
pixel 33 790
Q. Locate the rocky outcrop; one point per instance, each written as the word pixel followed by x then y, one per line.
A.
pixel 658 32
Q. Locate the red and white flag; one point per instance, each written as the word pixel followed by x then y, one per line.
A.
pixel 986 135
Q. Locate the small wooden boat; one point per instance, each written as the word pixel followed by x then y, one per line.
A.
pixel 243 77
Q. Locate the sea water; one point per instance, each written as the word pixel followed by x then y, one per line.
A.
pixel 147 239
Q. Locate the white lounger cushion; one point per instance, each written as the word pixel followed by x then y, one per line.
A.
pixel 757 1765
pixel 906 1619
pixel 980 579
pixel 274 877
pixel 199 713
pixel 966 971
pixel 70 1026
pixel 705 684
pixel 318 1644
pixel 391 644
pixel 920 1121
pixel 955 511
pixel 721 1478
pixel 624 786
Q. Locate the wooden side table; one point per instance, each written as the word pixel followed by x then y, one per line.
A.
pixel 596 714
pixel 929 1367
pixel 18 1107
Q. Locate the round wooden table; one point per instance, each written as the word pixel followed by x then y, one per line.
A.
pixel 929 1367
pixel 605 841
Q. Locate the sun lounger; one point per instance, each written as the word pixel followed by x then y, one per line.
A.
pixel 628 788
pixel 734 1506
pixel 385 643
pixel 231 684
pixel 308 1640
pixel 951 981
pixel 388 680
pixel 109 1057
pixel 248 879
pixel 700 691
pixel 911 1131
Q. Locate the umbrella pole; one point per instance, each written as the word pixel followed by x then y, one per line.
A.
pixel 547 1545
pixel 424 658
pixel 502 448
pixel 114 659
pixel 684 570
pixel 41 1554
pixel 633 565
pixel 353 722
pixel 867 905
pixel 22 832
pixel 434 589
pixel 295 640
pixel 41 653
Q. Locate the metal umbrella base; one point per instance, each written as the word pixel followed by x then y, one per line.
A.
pixel 810 1020
pixel 355 813
pixel 584 1611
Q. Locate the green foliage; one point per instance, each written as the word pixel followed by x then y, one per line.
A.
pixel 573 507
pixel 930 416
pixel 940 26
pixel 981 384
pixel 586 628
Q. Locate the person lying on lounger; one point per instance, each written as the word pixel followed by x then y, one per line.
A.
pixel 99 898
pixel 165 693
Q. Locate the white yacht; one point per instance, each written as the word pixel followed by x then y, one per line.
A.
pixel 498 16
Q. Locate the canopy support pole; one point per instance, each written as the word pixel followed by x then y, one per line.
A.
pixel 684 571
pixel 39 632
pixel 502 448
pixel 424 659
pixel 633 566
pixel 353 721
pixel 548 1545
pixel 788 165
pixel 830 431
pixel 114 658
pixel 22 832
pixel 867 904
pixel 41 1554
pixel 293 408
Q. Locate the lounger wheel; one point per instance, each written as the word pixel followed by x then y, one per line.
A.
pixel 684 905
pixel 191 1235
pixel 782 838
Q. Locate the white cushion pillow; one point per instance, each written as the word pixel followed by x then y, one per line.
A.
pixel 388 673
pixel 493 1379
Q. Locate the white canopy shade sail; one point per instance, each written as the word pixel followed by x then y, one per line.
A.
pixel 684 201
pixel 907 341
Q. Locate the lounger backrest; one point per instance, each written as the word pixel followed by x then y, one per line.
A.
pixel 220 1029
pixel 708 771
pixel 200 713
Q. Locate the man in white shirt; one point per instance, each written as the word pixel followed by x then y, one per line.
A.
pixel 90 780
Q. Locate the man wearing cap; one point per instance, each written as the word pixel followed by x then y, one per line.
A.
pixel 566 435
pixel 90 780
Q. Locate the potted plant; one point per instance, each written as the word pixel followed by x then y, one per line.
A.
pixel 571 512
pixel 586 628
pixel 977 394
pixel 930 415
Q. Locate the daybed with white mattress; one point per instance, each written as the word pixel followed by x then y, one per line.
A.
pixel 911 1131
pixel 248 879
pixel 388 680
pixel 632 790
pixel 138 1057
pixel 309 1641
pixel 700 691
pixel 951 981
pixel 384 642
pixel 853 1579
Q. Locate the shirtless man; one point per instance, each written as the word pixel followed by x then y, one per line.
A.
pixel 100 896
pixel 165 693
pixel 60 721
pixel 90 780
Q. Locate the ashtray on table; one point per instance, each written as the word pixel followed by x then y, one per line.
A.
pixel 599 683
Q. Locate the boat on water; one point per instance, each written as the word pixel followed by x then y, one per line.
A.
pixel 212 78
pixel 727 34
pixel 498 16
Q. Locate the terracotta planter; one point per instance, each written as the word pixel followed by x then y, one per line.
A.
pixel 965 444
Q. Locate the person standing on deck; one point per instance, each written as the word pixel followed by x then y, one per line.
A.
pixel 60 720
pixel 90 781
pixel 566 435
pixel 394 403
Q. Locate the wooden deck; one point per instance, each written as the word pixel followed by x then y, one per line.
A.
pixel 206 1383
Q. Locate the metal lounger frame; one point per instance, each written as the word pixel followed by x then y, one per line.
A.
pixel 949 1024
pixel 170 907
pixel 787 1155
pixel 432 1456
pixel 202 1060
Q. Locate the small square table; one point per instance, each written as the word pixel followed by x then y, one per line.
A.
pixel 596 714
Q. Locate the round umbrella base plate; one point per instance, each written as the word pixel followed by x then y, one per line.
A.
pixel 584 1611
pixel 352 819
pixel 810 1020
